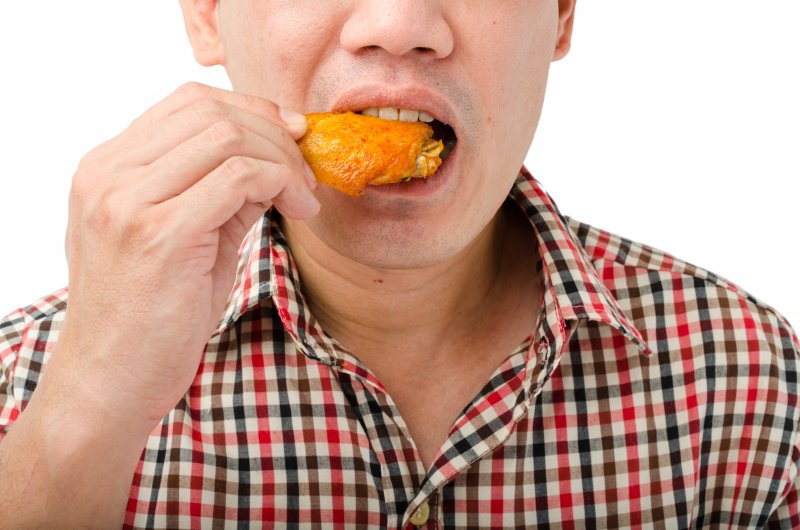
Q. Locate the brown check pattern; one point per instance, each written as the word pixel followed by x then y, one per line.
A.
pixel 651 394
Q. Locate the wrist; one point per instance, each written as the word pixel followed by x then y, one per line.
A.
pixel 82 401
pixel 95 392
pixel 75 420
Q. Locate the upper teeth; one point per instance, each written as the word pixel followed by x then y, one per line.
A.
pixel 393 113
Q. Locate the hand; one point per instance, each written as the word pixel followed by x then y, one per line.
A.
pixel 157 215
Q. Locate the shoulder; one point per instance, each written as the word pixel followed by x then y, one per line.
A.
pixel 678 305
pixel 722 382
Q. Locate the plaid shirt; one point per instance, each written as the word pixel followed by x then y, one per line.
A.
pixel 651 393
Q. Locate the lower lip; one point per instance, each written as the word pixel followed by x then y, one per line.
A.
pixel 420 188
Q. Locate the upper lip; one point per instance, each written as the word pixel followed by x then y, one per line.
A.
pixel 409 97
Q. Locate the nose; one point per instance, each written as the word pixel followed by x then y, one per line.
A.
pixel 400 27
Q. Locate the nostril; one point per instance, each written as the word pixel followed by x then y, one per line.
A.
pixel 422 50
pixel 418 29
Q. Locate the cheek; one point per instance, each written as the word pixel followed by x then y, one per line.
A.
pixel 270 51
pixel 512 48
pixel 514 70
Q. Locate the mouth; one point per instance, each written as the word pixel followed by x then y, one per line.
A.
pixel 441 130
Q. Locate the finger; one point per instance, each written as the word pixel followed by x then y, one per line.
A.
pixel 181 168
pixel 240 181
pixel 192 93
pixel 192 121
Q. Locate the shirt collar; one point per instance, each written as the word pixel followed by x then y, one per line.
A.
pixel 574 284
pixel 575 288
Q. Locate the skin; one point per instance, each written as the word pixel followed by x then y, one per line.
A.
pixel 158 212
pixel 369 264
pixel 472 50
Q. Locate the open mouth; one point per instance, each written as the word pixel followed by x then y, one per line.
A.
pixel 441 131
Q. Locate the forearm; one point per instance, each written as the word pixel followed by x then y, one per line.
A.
pixel 64 467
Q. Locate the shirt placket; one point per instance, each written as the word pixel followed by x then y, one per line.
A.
pixel 401 471
pixel 499 406
pixel 411 496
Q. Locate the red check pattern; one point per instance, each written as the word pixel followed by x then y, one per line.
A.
pixel 651 394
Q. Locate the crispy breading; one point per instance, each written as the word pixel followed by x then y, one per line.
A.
pixel 349 151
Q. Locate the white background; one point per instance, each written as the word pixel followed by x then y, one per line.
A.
pixel 675 123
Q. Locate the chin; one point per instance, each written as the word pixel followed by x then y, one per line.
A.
pixel 404 228
pixel 399 243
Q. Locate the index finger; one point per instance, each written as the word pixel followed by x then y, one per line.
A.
pixel 192 92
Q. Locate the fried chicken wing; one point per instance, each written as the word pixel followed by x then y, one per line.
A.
pixel 349 151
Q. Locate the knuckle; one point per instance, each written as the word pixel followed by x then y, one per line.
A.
pixel 84 181
pixel 139 228
pixel 97 215
pixel 211 110
pixel 103 201
pixel 96 172
pixel 143 122
pixel 239 168
pixel 256 102
pixel 88 163
pixel 112 215
pixel 283 173
pixel 227 135
pixel 191 91
pixel 78 192
pixel 139 122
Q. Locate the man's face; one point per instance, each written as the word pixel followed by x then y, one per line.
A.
pixel 479 65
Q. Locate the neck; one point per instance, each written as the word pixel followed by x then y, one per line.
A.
pixel 414 311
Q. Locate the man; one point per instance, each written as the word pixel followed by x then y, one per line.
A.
pixel 444 353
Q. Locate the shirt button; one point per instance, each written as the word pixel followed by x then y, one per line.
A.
pixel 420 516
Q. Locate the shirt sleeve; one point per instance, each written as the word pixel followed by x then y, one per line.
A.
pixel 26 338
pixel 12 329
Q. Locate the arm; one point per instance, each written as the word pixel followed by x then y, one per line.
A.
pixel 64 466
pixel 157 215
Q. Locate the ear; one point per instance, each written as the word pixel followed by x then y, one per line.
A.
pixel 202 26
pixel 566 17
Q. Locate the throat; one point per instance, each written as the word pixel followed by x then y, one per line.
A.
pixel 428 335
pixel 424 312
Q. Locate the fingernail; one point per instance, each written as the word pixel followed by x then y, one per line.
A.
pixel 295 122
pixel 311 178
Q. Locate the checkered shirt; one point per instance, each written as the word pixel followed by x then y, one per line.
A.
pixel 651 394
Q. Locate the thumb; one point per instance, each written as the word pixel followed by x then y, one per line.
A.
pixel 295 122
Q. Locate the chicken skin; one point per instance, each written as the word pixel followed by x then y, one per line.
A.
pixel 349 151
